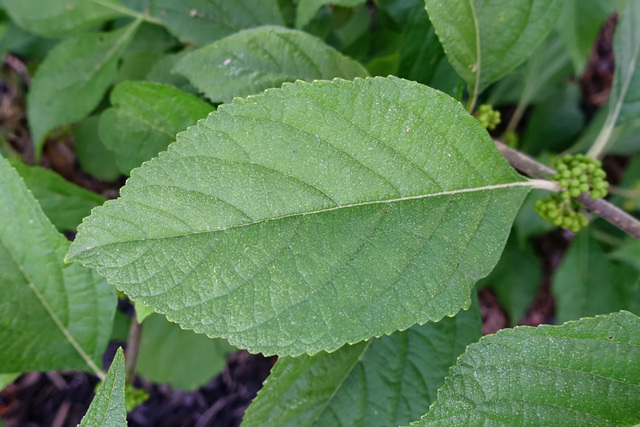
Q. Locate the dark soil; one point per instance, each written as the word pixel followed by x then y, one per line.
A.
pixel 60 399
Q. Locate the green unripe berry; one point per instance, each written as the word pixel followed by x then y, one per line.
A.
pixel 563 183
pixel 584 188
pixel 565 195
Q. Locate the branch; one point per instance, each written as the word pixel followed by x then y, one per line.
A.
pixel 533 168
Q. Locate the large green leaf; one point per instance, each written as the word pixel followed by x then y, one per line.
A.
pixel 64 203
pixel 72 80
pixel 108 407
pixel 587 283
pixel 204 21
pixel 57 18
pixel 52 315
pixel 579 24
pixel 382 382
pixel 144 120
pixel 183 359
pixel 578 374
pixel 253 60
pixel 486 39
pixel 312 216
pixel 307 9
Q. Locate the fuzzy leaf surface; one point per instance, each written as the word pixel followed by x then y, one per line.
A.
pixel 312 216
pixel 381 382
pixel 486 39
pixel 72 80
pixel 145 118
pixel 108 406
pixel 203 21
pixel 52 316
pixel 58 18
pixel 253 60
pixel 582 373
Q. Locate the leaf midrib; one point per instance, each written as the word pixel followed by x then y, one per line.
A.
pixel 319 211
pixel 65 332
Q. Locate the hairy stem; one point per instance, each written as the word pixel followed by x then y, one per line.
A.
pixel 133 349
pixel 601 207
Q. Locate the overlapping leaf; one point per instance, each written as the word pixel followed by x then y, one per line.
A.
pixel 486 39
pixel 204 21
pixel 587 283
pixel 312 216
pixel 52 315
pixel 64 203
pixel 144 120
pixel 382 382
pixel 108 407
pixel 56 18
pixel 257 59
pixel 72 80
pixel 581 373
pixel 183 359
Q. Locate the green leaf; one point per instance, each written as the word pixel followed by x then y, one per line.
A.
pixel 52 316
pixel 421 52
pixel 72 80
pixel 486 39
pixel 579 24
pixel 253 60
pixel 555 123
pixel 515 279
pixel 6 379
pixel 587 283
pixel 625 91
pixel 108 407
pixel 92 155
pixel 183 359
pixel 624 99
pixel 307 9
pixel 578 374
pixel 144 120
pixel 57 18
pixel 203 21
pixel 142 311
pixel 64 203
pixel 629 254
pixel 301 220
pixel 382 382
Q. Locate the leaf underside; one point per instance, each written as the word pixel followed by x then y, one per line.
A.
pixel 312 216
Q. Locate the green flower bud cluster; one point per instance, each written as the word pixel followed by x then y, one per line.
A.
pixel 488 117
pixel 580 174
pixel 576 175
pixel 561 213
